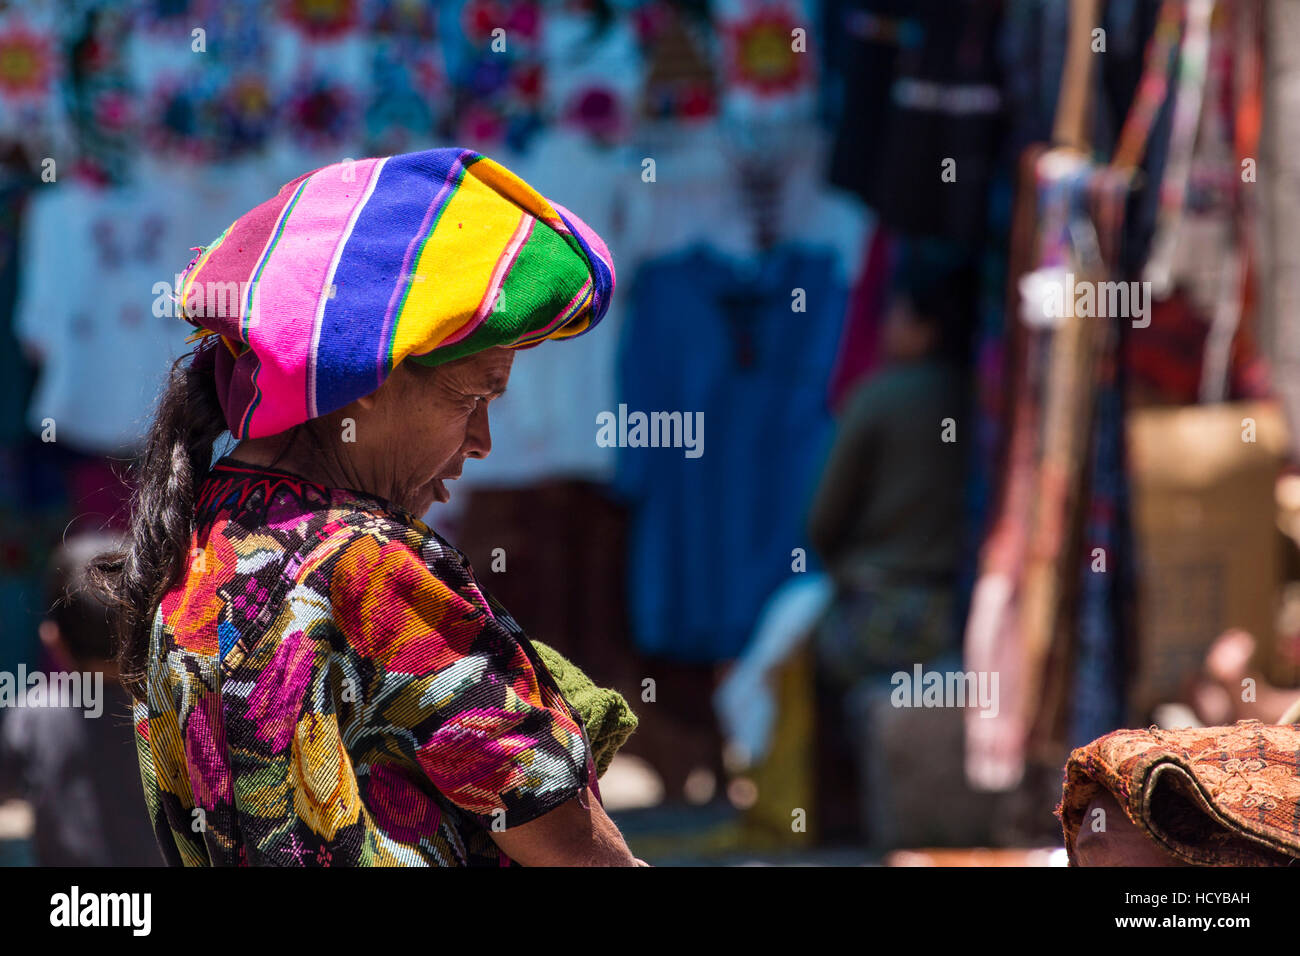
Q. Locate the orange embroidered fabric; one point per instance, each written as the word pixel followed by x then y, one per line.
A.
pixel 1214 796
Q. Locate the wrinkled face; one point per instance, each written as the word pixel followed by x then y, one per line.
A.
pixel 431 419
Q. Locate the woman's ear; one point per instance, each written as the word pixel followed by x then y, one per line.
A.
pixel 392 391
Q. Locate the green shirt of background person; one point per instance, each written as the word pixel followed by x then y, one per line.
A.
pixel 886 519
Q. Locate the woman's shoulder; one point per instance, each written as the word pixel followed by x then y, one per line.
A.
pixel 362 553
pixel 347 533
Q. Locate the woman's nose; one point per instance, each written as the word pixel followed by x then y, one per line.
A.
pixel 478 438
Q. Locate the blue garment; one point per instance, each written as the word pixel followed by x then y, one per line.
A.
pixel 712 537
pixel 1100 675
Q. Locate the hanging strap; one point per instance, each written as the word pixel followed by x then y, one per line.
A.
pixel 1109 185
pixel 1152 88
pixel 1193 69
pixel 1113 183
pixel 1071 129
pixel 1238 272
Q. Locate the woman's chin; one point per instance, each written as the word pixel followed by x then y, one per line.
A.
pixel 433 492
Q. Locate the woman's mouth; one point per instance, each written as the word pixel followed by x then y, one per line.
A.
pixel 440 492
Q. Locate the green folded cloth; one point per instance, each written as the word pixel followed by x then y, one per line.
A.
pixel 608 718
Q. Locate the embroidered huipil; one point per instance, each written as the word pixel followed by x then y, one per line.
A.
pixel 328 685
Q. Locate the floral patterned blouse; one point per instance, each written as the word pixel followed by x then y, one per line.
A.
pixel 329 685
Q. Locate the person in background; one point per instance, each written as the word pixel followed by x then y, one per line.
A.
pixel 886 520
pixel 77 765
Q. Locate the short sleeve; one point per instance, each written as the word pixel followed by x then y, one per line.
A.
pixel 451 687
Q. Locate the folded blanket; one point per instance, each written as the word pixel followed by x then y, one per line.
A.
pixel 1214 796
pixel 607 716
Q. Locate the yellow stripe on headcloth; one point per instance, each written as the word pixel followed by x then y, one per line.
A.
pixel 207 333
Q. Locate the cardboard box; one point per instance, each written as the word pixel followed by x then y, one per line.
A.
pixel 1205 526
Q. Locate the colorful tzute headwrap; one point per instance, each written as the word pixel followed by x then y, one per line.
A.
pixel 318 293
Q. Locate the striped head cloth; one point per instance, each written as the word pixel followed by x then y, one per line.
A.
pixel 318 293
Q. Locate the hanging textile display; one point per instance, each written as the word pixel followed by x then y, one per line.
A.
pixel 1048 610
pixel 33 79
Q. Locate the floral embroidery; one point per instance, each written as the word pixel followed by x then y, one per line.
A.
pixel 329 683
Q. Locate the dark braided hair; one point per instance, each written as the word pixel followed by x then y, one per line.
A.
pixel 177 457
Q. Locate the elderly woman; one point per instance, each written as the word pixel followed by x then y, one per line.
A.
pixel 319 678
